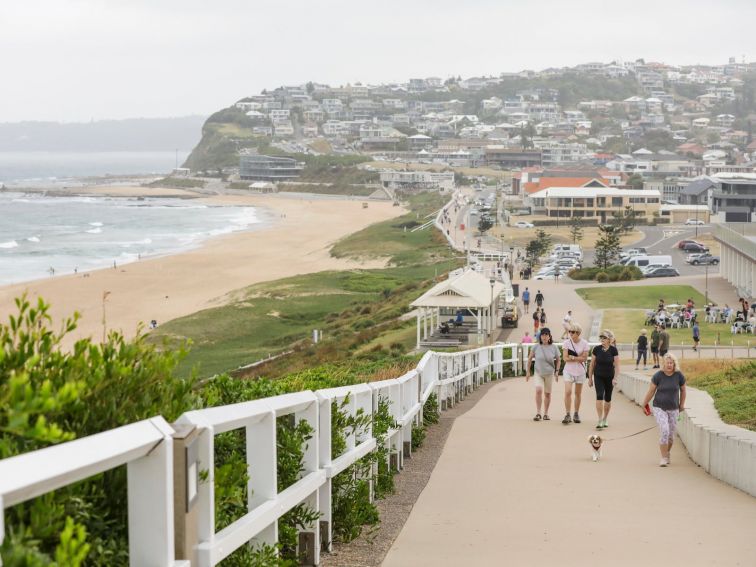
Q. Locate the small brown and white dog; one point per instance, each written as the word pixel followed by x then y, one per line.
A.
pixel 595 441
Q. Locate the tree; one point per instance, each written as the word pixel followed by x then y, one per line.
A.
pixel 576 229
pixel 544 241
pixel 626 220
pixel 484 224
pixel 607 246
pixel 635 181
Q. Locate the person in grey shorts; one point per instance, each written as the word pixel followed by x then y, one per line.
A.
pixel 546 357
pixel 575 352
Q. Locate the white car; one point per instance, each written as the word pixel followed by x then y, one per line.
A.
pixel 523 224
pixel 548 276
pixel 694 222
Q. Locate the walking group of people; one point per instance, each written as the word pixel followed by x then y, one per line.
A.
pixel 667 386
pixel 602 371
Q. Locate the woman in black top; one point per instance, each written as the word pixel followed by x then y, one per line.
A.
pixel 605 369
pixel 642 349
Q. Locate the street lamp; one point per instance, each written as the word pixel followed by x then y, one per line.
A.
pixel 493 312
pixel 706 288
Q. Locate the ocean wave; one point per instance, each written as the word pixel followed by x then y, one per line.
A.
pixel 95 224
pixel 97 230
pixel 33 239
pixel 9 244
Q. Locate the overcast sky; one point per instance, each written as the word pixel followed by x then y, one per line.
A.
pixel 77 60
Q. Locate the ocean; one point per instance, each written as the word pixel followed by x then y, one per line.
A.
pixel 38 168
pixel 41 235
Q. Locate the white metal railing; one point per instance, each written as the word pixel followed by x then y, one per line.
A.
pixel 147 448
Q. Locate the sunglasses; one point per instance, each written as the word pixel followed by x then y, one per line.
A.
pixel 574 333
pixel 602 337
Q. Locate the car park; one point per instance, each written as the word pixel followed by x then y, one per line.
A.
pixel 694 247
pixel 662 273
pixel 694 222
pixel 523 224
pixel 703 259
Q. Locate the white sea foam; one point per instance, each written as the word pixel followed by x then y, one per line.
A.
pixel 97 230
pixel 95 224
pixel 33 239
pixel 9 244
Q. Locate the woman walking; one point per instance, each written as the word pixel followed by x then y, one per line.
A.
pixel 668 390
pixel 575 350
pixel 536 321
pixel 546 356
pixel 604 370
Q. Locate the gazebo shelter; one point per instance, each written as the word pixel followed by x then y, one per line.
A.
pixel 470 291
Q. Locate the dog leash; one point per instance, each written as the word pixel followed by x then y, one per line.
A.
pixel 632 434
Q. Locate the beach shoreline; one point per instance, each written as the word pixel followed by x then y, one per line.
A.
pixel 295 238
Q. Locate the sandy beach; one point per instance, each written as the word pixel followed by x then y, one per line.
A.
pixel 296 242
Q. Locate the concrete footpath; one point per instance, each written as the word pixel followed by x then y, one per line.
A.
pixel 510 491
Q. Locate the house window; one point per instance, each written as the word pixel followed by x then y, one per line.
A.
pixel 601 201
pixel 616 201
pixel 652 200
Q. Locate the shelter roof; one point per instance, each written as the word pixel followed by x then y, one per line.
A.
pixel 468 289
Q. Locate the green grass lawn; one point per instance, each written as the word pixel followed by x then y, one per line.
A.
pixel 627 323
pixel 639 297
pixel 734 391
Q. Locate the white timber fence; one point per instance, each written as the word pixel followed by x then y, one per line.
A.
pixel 171 468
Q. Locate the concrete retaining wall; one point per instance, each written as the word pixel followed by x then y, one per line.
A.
pixel 726 452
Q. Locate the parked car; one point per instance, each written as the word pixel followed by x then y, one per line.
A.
pixel 682 243
pixel 655 265
pixel 662 273
pixel 695 247
pixel 630 252
pixel 523 224
pixel 694 222
pixel 703 259
pixel 549 276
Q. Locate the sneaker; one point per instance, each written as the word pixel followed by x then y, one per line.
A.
pixel 576 418
pixel 546 417
pixel 566 419
pixel 645 368
pixel 664 462
pixel 599 425
pixel 604 424
pixel 636 368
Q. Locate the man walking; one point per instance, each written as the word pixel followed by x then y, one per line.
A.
pixel 655 345
pixel 539 299
pixel 526 299
pixel 663 342
pixel 696 335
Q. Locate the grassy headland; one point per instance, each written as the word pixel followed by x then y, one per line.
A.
pixel 352 308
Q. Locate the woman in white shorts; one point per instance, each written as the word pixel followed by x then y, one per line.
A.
pixel 546 357
pixel 575 352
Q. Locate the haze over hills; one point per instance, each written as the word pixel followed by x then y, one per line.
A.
pixel 136 134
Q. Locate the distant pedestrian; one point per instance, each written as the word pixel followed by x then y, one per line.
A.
pixel 667 388
pixel 543 317
pixel 655 345
pixel 539 298
pixel 604 370
pixel 536 320
pixel 527 339
pixel 663 341
pixel 696 335
pixel 546 371
pixel 566 324
pixel 642 349
pixel 526 299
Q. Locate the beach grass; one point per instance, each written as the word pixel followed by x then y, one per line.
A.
pixel 352 308
pixel 639 297
pixel 273 317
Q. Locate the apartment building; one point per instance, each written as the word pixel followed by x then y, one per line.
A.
pixel 735 200
pixel 599 203
pixel 418 180
pixel 554 153
pixel 255 167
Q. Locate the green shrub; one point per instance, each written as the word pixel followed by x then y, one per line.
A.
pixel 602 277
